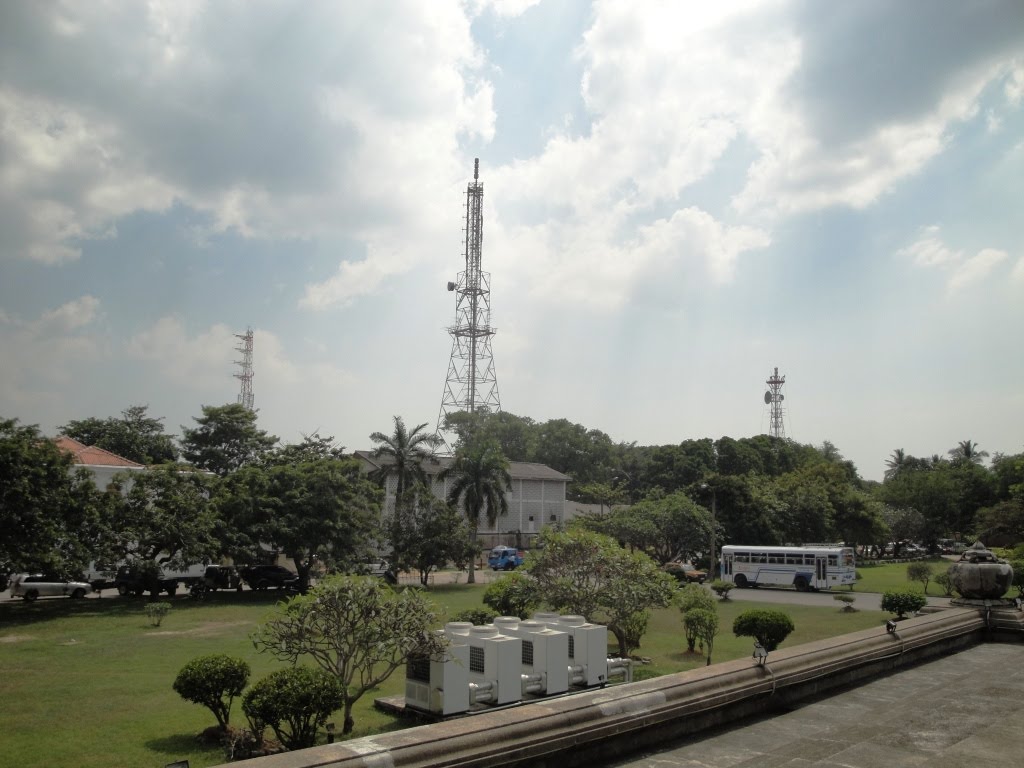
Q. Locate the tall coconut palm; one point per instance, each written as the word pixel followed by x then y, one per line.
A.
pixel 967 452
pixel 404 453
pixel 896 464
pixel 480 478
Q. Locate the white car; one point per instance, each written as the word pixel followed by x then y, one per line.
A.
pixel 32 585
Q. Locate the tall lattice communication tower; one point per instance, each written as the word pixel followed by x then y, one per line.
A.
pixel 472 384
pixel 245 376
pixel 774 398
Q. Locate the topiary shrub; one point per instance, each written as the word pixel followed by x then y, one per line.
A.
pixel 902 601
pixel 157 611
pixel 920 571
pixel 847 601
pixel 477 616
pixel 703 624
pixel 1018 574
pixel 514 595
pixel 769 627
pixel 945 581
pixel 722 588
pixel 295 703
pixel 690 597
pixel 630 630
pixel 214 682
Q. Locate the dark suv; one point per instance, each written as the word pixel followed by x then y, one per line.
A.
pixel 265 576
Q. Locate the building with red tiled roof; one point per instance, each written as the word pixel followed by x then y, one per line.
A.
pixel 102 463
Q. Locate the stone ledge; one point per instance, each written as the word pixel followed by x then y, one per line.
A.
pixel 602 724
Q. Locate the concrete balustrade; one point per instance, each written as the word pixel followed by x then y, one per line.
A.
pixel 598 725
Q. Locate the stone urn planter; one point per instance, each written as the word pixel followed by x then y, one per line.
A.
pixel 980 575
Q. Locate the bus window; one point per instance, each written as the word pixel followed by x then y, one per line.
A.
pixel 742 557
pixel 833 561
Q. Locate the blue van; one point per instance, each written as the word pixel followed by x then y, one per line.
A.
pixel 505 558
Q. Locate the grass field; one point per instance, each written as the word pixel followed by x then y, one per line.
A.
pixel 879 578
pixel 88 683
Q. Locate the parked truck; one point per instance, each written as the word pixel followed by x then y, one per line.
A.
pixel 505 558
pixel 139 579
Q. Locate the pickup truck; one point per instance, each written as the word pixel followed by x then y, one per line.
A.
pixel 505 558
pixel 685 572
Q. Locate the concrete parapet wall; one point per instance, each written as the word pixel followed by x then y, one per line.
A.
pixel 598 725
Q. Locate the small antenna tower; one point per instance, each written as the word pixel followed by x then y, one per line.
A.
pixel 245 395
pixel 472 384
pixel 774 398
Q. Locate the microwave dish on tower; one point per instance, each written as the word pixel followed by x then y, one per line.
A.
pixel 774 398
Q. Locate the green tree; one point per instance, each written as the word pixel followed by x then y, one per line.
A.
pixel 355 628
pixel 902 601
pixel 426 534
pixel 135 436
pixel 324 510
pixel 50 518
pixel 163 518
pixel 404 453
pixel 693 597
pixel 589 574
pixel 920 571
pixel 295 703
pixel 225 439
pixel 513 595
pixel 768 627
pixel 666 528
pixel 967 452
pixel 312 448
pixel 895 464
pixel 479 481
pixel 214 682
pixel 515 435
pixel 702 624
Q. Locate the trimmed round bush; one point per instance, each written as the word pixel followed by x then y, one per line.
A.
pixel 477 616
pixel 902 601
pixel 514 595
pixel 213 681
pixel 295 702
pixel 768 627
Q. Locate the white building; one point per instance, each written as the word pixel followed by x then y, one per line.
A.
pixel 537 498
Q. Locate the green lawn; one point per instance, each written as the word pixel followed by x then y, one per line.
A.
pixel 88 683
pixel 879 578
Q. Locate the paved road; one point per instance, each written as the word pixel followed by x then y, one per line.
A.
pixel 867 601
pixel 955 712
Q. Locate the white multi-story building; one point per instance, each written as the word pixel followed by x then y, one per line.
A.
pixel 536 499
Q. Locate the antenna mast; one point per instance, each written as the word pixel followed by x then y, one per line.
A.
pixel 774 398
pixel 245 395
pixel 472 384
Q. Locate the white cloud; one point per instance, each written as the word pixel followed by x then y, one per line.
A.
pixel 930 252
pixel 1017 275
pixel 976 268
pixel 71 316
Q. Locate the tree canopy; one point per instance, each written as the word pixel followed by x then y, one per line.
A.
pixel 135 435
pixel 225 439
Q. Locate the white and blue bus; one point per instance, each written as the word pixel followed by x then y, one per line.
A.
pixel 811 567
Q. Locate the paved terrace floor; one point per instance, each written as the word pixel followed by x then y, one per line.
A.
pixel 962 710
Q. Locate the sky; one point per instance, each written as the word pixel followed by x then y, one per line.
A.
pixel 679 197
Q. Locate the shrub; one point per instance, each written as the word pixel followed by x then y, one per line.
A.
pixel 156 612
pixel 703 624
pixel 214 682
pixel 477 616
pixel 691 597
pixel 945 581
pixel 847 601
pixel 294 702
pixel 722 588
pixel 901 601
pixel 920 571
pixel 514 595
pixel 1018 574
pixel 769 627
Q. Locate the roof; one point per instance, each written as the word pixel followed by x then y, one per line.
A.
pixel 93 456
pixel 519 470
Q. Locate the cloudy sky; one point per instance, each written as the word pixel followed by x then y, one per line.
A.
pixel 679 197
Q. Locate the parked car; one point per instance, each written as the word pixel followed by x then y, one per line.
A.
pixel 379 567
pixel 262 577
pixel 505 558
pixel 685 572
pixel 32 585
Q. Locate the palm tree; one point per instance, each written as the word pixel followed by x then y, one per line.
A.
pixel 480 479
pixel 405 453
pixel 896 464
pixel 967 452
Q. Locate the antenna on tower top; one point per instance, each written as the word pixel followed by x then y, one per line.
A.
pixel 774 398
pixel 472 384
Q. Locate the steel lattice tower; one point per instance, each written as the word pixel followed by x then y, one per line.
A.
pixel 245 395
pixel 472 384
pixel 774 398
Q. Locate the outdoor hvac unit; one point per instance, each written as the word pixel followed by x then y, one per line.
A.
pixel 588 649
pixel 545 657
pixel 494 666
pixel 440 685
